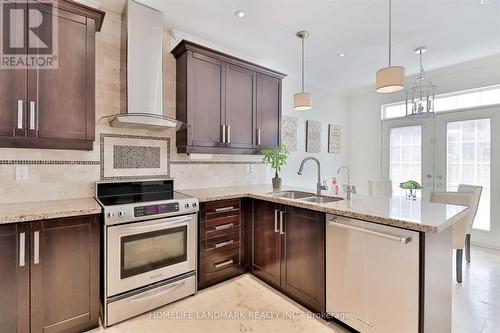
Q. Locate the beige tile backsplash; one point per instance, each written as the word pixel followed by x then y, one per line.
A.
pixel 63 181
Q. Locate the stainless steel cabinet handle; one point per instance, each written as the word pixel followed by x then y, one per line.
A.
pixel 223 133
pixel 258 136
pixel 276 220
pixel 281 222
pixel 224 209
pixel 156 293
pixel 22 249
pixel 403 240
pixel 32 115
pixel 224 226
pixel 20 104
pixel 36 245
pixel 222 244
pixel 225 263
pixel 228 133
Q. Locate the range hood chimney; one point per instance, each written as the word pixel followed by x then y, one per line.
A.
pixel 143 27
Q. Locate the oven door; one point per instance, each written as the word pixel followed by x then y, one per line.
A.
pixel 142 253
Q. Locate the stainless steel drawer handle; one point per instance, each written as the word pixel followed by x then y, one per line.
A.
pixel 258 136
pixel 276 220
pixel 36 245
pixel 20 104
pixel 225 263
pixel 228 133
pixel 223 133
pixel 222 244
pixel 156 293
pixel 224 209
pixel 224 226
pixel 22 249
pixel 32 115
pixel 403 240
pixel 281 222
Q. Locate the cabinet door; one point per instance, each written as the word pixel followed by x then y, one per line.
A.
pixel 266 252
pixel 240 106
pixel 14 278
pixel 303 265
pixel 65 274
pixel 206 99
pixel 13 92
pixel 268 111
pixel 62 100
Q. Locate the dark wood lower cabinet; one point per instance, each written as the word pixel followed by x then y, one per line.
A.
pixel 288 251
pixel 56 287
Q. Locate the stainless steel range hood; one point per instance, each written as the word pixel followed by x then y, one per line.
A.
pixel 143 27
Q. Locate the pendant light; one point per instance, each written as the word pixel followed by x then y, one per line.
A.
pixel 420 98
pixel 302 100
pixel 390 79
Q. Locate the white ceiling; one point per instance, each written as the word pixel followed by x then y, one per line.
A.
pixel 454 31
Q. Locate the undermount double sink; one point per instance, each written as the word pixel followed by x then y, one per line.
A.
pixel 305 196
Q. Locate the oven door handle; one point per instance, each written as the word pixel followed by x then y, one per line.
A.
pixel 157 292
pixel 171 222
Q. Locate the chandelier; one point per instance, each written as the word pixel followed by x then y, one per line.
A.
pixel 420 98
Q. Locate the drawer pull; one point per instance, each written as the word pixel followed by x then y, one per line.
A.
pixel 224 226
pixel 222 244
pixel 225 263
pixel 224 209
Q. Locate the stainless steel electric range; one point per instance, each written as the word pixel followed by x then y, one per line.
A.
pixel 149 244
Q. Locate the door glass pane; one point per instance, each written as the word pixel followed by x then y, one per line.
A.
pixel 468 162
pixel 152 250
pixel 405 156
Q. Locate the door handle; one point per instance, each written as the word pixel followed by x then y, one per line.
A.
pixel 36 245
pixel 22 249
pixel 20 104
pixel 403 240
pixel 223 127
pixel 276 220
pixel 228 133
pixel 281 222
pixel 258 136
pixel 32 115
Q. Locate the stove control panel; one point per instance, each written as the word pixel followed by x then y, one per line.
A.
pixel 156 209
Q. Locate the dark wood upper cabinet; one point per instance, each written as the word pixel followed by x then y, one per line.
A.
pixel 218 97
pixel 303 265
pixel 268 111
pixel 266 245
pixel 14 278
pixel 54 108
pixel 288 246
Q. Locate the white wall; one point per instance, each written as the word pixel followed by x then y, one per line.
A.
pixel 364 113
pixel 328 108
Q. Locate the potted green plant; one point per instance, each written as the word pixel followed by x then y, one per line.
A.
pixel 276 159
pixel 411 186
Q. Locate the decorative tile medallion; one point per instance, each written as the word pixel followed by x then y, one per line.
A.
pixel 289 133
pixel 313 136
pixel 131 157
pixel 334 139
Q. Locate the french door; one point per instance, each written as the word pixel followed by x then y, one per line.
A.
pixel 445 151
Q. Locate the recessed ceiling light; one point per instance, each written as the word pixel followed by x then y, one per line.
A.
pixel 484 2
pixel 240 14
pixel 342 54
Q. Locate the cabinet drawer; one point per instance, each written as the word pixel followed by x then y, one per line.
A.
pixel 219 227
pixel 220 209
pixel 219 244
pixel 220 265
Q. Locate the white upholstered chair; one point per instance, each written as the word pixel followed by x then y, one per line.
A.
pixel 467 195
pixel 382 187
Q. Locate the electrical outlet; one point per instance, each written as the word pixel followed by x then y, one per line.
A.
pixel 21 173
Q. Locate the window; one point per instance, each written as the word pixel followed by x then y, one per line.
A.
pixel 469 162
pixel 405 156
pixel 484 96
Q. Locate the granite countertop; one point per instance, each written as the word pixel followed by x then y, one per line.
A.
pixel 419 215
pixel 42 210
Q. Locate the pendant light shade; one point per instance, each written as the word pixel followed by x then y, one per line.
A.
pixel 390 79
pixel 302 100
